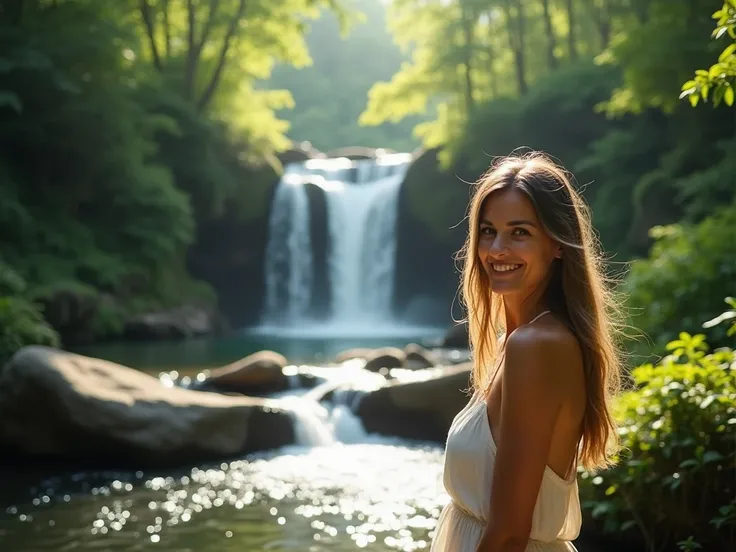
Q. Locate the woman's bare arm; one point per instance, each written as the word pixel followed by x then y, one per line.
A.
pixel 536 372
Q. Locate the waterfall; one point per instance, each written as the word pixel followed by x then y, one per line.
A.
pixel 362 209
pixel 289 272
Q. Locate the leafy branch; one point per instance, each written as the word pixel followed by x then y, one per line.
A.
pixel 720 77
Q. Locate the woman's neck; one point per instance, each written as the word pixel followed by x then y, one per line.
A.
pixel 518 313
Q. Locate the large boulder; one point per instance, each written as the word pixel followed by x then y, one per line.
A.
pixel 67 406
pixel 349 354
pixel 261 373
pixel 178 323
pixel 420 410
pixel 418 357
pixel 385 357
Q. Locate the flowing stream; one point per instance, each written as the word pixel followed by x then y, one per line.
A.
pixel 338 489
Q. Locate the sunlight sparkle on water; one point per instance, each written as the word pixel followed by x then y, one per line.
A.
pixel 338 497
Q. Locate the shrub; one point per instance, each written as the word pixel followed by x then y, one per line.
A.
pixel 683 281
pixel 674 481
pixel 21 321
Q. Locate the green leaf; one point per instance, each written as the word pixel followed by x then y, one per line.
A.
pixel 727 52
pixel 704 92
pixel 712 456
pixel 728 96
pixel 715 71
pixel 718 94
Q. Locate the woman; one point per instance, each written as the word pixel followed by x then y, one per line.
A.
pixel 540 405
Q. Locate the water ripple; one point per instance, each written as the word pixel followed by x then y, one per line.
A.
pixel 339 498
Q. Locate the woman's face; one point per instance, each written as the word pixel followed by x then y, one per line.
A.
pixel 516 252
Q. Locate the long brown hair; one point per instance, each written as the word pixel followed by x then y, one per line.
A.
pixel 578 291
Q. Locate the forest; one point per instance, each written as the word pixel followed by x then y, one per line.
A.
pixel 140 141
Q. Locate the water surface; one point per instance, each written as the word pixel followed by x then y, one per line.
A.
pixel 379 495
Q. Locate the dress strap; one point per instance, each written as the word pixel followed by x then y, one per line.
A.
pixel 540 315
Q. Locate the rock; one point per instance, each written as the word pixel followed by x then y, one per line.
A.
pixel 418 357
pixel 350 354
pixel 299 151
pixel 258 374
pixel 178 323
pixel 431 227
pixel 385 357
pixel 420 410
pixel 67 406
pixel 457 337
pixel 356 152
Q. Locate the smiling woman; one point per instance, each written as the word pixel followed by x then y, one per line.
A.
pixel 533 276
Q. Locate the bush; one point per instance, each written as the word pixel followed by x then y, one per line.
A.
pixel 674 480
pixel 21 321
pixel 689 270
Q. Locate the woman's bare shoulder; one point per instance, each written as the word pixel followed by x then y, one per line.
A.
pixel 547 349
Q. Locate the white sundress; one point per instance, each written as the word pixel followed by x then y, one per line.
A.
pixel 468 473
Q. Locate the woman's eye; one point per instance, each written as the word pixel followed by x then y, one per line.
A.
pixel 487 230
pixel 520 232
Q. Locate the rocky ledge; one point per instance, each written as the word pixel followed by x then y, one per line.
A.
pixel 61 405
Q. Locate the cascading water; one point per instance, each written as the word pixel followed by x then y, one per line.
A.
pixel 362 208
pixel 318 424
pixel 289 272
pixel 362 230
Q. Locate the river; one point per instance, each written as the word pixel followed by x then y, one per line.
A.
pixel 339 489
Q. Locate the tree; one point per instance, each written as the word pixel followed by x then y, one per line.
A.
pixel 720 77
pixel 214 51
pixel 550 32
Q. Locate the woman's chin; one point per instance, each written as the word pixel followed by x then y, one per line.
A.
pixel 504 287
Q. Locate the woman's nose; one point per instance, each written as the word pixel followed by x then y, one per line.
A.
pixel 498 246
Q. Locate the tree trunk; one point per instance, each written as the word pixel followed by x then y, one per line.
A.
pixel 468 27
pixel 167 30
pixel 550 32
pixel 517 41
pixel 601 12
pixel 150 24
pixel 641 8
pixel 572 45
pixel 492 70
pixel 211 87
pixel 190 69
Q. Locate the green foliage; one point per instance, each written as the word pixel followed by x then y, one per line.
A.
pixel 674 479
pixel 720 77
pixel 330 93
pixel 501 125
pixel 95 209
pixel 683 280
pixel 21 321
pixel 212 53
pixel 657 55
